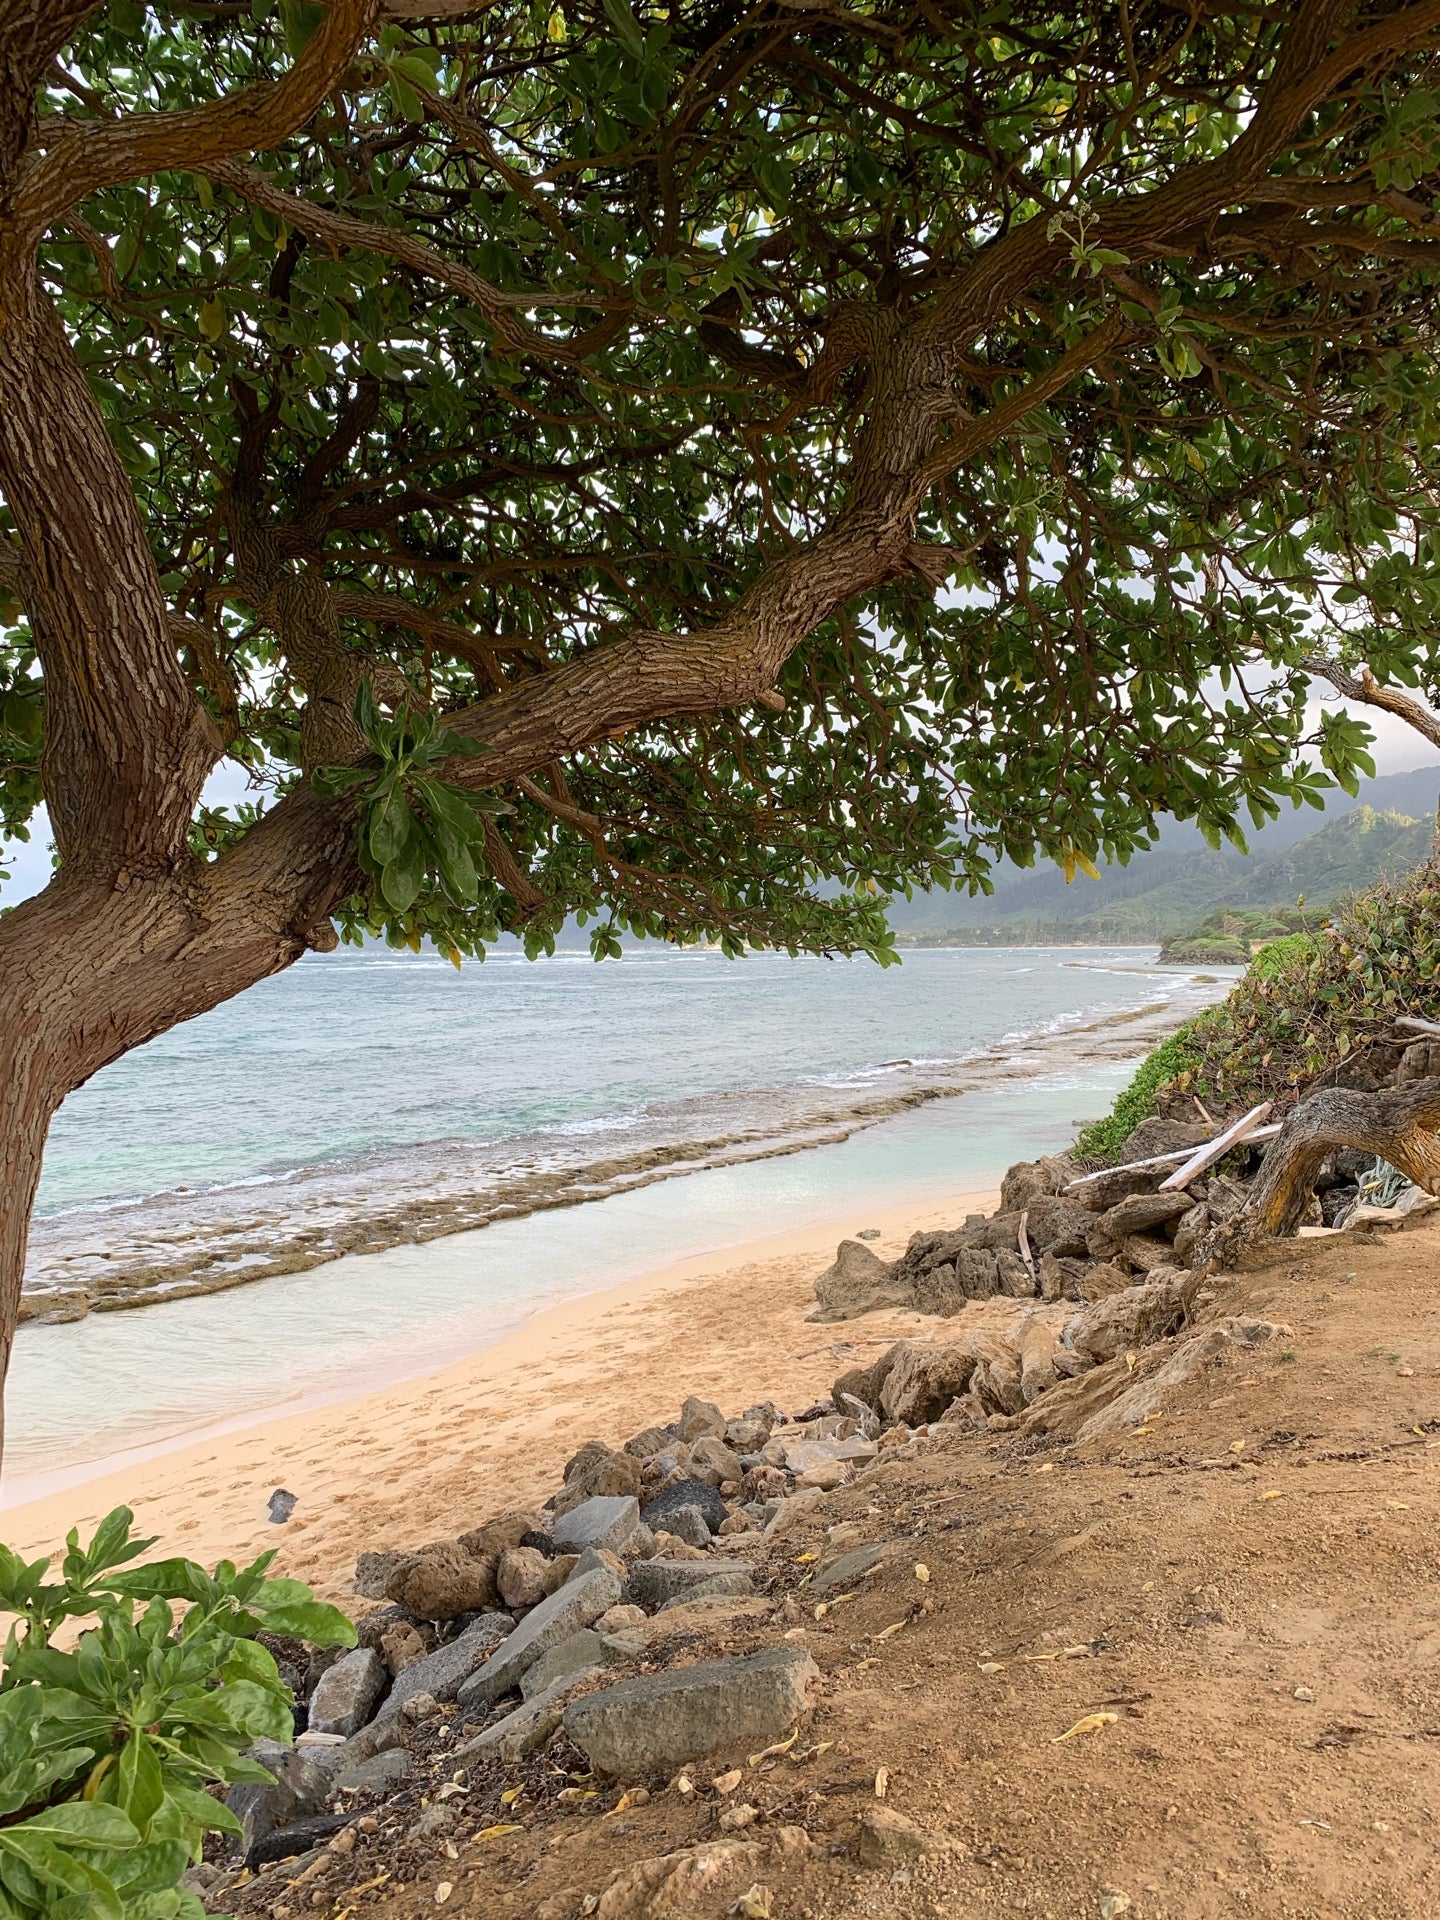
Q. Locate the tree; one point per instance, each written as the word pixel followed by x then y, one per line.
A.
pixel 651 462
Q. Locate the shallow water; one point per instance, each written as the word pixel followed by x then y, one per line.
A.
pixel 353 1070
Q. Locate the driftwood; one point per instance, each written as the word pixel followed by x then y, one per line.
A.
pixel 1418 1026
pixel 1171 1159
pixel 1234 1135
pixel 1398 1125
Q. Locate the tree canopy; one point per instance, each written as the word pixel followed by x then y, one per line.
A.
pixel 758 446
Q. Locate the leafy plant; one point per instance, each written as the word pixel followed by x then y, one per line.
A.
pixel 1170 1059
pixel 413 827
pixel 108 1746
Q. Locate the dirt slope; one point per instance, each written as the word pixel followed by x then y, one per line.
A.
pixel 1250 1584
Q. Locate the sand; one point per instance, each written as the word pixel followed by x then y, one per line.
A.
pixel 431 1457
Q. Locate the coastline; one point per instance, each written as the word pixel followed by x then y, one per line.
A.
pixel 431 1456
pixel 137 1253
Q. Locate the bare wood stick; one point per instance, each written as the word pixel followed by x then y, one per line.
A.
pixel 1024 1239
pixel 1170 1159
pixel 1419 1026
pixel 1216 1149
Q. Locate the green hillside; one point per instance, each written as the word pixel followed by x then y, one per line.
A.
pixel 1174 891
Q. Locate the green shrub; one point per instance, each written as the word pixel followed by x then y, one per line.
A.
pixel 1309 1003
pixel 1171 1059
pixel 107 1747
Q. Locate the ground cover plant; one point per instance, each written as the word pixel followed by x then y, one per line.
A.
pixel 109 1741
pixel 702 470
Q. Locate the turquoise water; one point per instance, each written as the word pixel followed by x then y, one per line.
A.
pixel 356 1079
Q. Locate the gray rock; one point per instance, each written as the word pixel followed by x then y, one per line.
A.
pixel 527 1728
pixel 688 1524
pixel 686 1493
pixel 379 1774
pixel 607 1520
pixel 349 1692
pixel 579 1603
pixel 661 1720
pixel 373 1571
pixel 800 1454
pixel 443 1672
pixel 581 1651
pixel 850 1566
pixel 379 1737
pixel 654 1583
pixel 1139 1212
pixel 300 1789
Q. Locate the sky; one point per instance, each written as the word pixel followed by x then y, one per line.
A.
pixel 1397 748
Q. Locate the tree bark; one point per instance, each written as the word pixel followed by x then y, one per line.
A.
pixel 1398 1125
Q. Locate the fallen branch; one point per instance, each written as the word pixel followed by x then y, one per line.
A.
pixel 1171 1159
pixel 1243 1129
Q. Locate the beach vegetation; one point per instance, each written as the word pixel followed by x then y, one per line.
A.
pixel 1311 1006
pixel 112 1741
pixel 783 460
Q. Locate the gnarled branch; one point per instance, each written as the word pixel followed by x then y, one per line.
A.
pixel 1398 1124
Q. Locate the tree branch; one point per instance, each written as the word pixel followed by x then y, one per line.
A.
pixel 1363 686
pixel 32 32
pixel 90 155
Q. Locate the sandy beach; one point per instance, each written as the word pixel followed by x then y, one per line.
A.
pixel 430 1457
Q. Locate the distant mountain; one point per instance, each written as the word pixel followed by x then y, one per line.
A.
pixel 1385 828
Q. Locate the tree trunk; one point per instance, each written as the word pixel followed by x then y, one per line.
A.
pixel 1398 1125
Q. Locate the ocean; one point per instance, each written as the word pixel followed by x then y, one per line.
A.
pixel 399 1161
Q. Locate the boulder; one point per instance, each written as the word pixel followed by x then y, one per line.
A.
pixel 348 1693
pixel 688 1524
pixel 594 1557
pixel 1109 1188
pixel 606 1474
pixel 655 1583
pixel 1190 1230
pixel 620 1619
pixel 1105 1277
pixel 371 1628
pixel 745 1435
pixel 712 1460
pixel 1032 1180
pixel 996 1383
pixel 505 1530
pixel 1189 1358
pixel 604 1520
pixel 1056 1225
pixel 380 1774
pixel 652 1440
pixel 528 1728
pixel 559 1570
pixel 520 1577
pixel 686 1493
pixel 1139 1212
pixel 699 1418
pixel 1014 1277
pixel 373 1571
pixel 581 1652
pixel 579 1603
pixel 444 1671
pixel 1155 1135
pixel 1136 1317
pixel 1061 1279
pixel 661 1720
pixel 441 1581
pixel 864 1383
pixel 924 1380
pixel 1147 1252
pixel 803 1454
pixel 858 1281
pixel 401 1647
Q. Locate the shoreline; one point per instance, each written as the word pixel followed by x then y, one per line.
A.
pixel 604 1364
pixel 184 1245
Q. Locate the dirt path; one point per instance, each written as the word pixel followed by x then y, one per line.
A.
pixel 1251 1587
